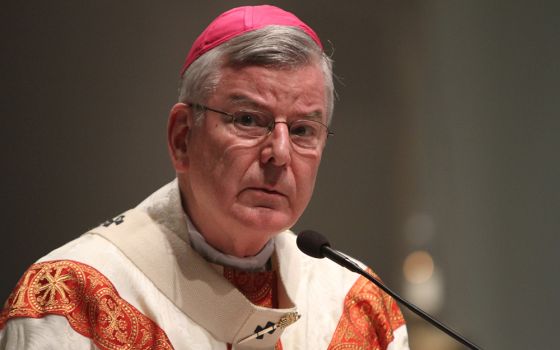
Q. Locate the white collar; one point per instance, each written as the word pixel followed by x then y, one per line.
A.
pixel 211 254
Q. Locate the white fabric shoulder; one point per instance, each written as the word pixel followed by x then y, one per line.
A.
pixel 319 286
pixel 400 342
pixel 131 284
pixel 49 332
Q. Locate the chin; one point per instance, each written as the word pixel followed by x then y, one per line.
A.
pixel 267 220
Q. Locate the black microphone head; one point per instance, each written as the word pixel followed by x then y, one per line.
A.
pixel 311 243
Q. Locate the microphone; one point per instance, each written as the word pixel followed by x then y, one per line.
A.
pixel 317 246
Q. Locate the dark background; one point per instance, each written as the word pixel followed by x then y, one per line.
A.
pixel 446 140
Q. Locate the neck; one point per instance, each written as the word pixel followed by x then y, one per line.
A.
pixel 227 238
pixel 256 262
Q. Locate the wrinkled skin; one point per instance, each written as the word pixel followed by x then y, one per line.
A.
pixel 239 193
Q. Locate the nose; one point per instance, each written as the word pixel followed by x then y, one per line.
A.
pixel 278 146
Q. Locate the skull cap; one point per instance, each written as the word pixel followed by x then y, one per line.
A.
pixel 241 20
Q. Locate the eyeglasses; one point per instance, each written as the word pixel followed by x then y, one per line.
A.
pixel 305 133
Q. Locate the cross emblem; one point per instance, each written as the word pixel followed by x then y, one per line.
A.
pixel 116 220
pixel 270 327
pixel 267 326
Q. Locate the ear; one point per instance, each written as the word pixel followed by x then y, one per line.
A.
pixel 178 127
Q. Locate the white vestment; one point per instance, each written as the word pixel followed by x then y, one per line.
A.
pixel 134 282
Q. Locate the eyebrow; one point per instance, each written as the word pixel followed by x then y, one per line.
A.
pixel 317 116
pixel 244 100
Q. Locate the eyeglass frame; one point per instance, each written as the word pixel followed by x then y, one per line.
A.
pixel 270 127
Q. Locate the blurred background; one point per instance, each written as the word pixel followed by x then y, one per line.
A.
pixel 443 173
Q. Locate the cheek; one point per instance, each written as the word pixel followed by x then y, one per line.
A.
pixel 206 162
pixel 228 166
pixel 305 174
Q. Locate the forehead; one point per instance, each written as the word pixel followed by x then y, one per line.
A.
pixel 278 90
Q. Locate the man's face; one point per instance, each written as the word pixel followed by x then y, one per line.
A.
pixel 240 192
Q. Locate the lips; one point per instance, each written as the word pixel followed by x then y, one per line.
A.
pixel 263 197
pixel 265 190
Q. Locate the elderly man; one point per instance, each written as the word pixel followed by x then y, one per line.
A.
pixel 206 261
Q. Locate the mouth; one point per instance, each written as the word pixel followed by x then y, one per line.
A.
pixel 262 197
pixel 266 191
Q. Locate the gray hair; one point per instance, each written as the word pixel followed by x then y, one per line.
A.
pixel 272 46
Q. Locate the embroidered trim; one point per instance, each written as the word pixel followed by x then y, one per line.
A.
pixel 368 320
pixel 90 303
pixel 258 287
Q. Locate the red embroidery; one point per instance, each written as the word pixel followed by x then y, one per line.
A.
pixel 258 287
pixel 368 319
pixel 90 303
pixel 255 286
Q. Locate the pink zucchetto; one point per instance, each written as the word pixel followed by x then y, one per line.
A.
pixel 241 20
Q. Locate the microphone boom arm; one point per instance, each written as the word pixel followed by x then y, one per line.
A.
pixel 344 261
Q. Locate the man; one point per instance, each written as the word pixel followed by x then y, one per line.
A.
pixel 206 261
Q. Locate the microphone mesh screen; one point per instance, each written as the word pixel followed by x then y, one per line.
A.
pixel 311 242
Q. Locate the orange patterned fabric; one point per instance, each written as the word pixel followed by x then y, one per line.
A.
pixel 258 287
pixel 89 302
pixel 368 319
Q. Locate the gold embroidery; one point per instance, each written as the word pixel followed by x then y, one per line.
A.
pixel 112 318
pixel 256 286
pixel 55 285
pixel 282 323
pixel 20 293
pixel 368 319
pixel 89 302
pixel 94 280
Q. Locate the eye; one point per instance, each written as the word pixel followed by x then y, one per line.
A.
pixel 304 128
pixel 247 119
